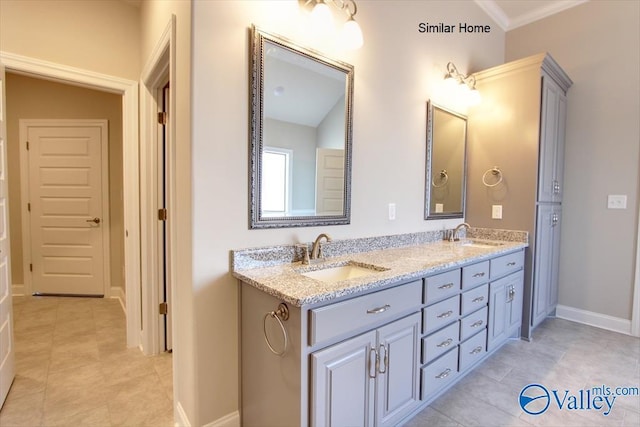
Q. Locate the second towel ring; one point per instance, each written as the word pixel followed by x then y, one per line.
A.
pixel 494 171
pixel 444 178
pixel 282 313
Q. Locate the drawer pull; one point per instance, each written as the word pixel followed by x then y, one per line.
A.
pixel 511 264
pixel 476 350
pixel 379 309
pixel 445 314
pixel 447 286
pixel 479 299
pixel 479 274
pixel 374 361
pixel 444 374
pixel 446 343
pixel 478 323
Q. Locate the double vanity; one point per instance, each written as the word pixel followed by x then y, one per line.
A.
pixel 375 329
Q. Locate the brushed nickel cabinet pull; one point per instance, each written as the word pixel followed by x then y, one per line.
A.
pixel 447 286
pixel 512 263
pixel 445 314
pixel 379 310
pixel 477 324
pixel 444 374
pixel 476 350
pixel 479 299
pixel 481 274
pixel 446 343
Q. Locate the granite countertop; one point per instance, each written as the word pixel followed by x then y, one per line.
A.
pixel 285 282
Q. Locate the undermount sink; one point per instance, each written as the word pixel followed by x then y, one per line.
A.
pixel 481 243
pixel 337 273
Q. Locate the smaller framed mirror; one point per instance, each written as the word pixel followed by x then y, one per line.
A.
pixel 446 163
pixel 301 130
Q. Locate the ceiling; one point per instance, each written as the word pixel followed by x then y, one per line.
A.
pixel 510 14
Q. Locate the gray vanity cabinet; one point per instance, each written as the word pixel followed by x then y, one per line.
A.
pixel 371 379
pixel 545 299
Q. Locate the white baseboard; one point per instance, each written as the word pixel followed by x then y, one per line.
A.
pixel 118 293
pixel 18 290
pixel 591 318
pixel 229 420
pixel 180 418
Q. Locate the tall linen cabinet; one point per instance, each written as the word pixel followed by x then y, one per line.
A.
pixel 519 129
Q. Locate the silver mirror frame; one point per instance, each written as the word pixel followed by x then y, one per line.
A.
pixel 256 219
pixel 429 172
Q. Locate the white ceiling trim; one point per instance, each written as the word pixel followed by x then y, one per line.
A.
pixel 509 23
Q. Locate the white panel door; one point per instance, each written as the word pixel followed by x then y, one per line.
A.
pixel 7 367
pixel 67 191
pixel 329 181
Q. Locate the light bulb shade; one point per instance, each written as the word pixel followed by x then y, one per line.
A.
pixel 474 98
pixel 450 83
pixel 321 18
pixel 352 35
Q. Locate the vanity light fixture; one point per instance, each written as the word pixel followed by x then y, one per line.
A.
pixel 351 35
pixel 467 84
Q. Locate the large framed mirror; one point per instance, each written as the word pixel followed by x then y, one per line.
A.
pixel 301 131
pixel 446 163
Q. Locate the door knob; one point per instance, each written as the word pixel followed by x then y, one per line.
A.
pixel 94 220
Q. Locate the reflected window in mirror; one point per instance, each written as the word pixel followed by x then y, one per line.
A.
pixel 446 163
pixel 300 135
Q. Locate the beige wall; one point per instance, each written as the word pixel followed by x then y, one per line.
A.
pixel 101 36
pixel 396 71
pixel 30 98
pixel 598 44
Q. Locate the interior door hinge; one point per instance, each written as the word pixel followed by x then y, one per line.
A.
pixel 27 145
pixel 28 207
pixel 162 118
pixel 30 267
pixel 163 308
pixel 162 214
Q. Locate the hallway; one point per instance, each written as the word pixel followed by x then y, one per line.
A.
pixel 73 368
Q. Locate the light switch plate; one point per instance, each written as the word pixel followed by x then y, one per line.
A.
pixel 496 212
pixel 392 211
pixel 617 201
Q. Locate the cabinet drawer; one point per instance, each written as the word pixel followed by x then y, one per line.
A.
pixel 371 309
pixel 474 275
pixel 472 350
pixel 474 299
pixel 440 314
pixel 441 286
pixel 440 342
pixel 439 373
pixel 473 323
pixel 506 264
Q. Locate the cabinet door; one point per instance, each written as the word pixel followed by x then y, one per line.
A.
pixel 497 328
pixel 555 260
pixel 545 270
pixel 341 386
pixel 515 295
pixel 548 185
pixel 397 386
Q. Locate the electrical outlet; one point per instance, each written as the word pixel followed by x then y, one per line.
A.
pixel 392 211
pixel 496 212
pixel 439 208
pixel 617 201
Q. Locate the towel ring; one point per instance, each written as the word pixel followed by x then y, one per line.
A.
pixel 444 178
pixel 282 313
pixel 494 171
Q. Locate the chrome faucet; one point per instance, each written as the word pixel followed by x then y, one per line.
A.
pixel 315 249
pixel 454 236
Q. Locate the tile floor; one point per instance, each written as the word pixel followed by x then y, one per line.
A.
pixel 73 368
pixel 562 356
